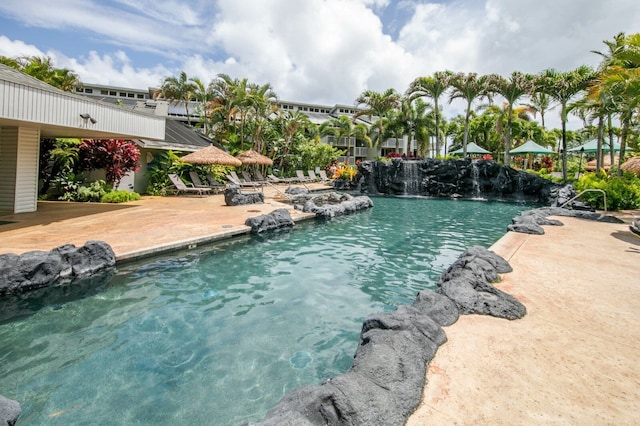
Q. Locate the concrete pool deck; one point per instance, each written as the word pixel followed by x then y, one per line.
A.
pixel 571 360
pixel 139 228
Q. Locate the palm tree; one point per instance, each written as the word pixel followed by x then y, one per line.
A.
pixel 181 89
pixel 512 89
pixel 345 127
pixel 41 67
pixel 432 87
pixel 378 105
pixel 262 101
pixel 562 87
pixel 619 82
pixel 203 96
pixel 539 101
pixel 289 123
pixel 468 87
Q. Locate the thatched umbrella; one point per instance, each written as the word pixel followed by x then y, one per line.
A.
pixel 632 165
pixel 606 164
pixel 251 157
pixel 211 155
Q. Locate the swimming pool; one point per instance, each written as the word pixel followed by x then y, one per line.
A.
pixel 218 336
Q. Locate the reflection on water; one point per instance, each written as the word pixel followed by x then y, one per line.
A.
pixel 219 336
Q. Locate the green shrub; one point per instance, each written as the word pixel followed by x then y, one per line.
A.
pixel 119 197
pixel 622 192
pixel 73 190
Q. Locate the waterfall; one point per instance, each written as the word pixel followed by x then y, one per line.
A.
pixel 475 179
pixel 412 177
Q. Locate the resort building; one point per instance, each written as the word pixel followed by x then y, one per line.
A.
pixel 31 110
pixel 144 101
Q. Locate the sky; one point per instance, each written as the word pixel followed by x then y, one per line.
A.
pixel 317 51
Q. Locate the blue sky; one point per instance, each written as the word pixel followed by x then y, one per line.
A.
pixel 324 51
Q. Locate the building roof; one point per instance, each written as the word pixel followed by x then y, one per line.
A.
pixel 179 137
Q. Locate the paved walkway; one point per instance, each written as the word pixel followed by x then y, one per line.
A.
pixel 573 359
pixel 140 228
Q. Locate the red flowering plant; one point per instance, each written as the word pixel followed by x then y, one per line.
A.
pixel 116 156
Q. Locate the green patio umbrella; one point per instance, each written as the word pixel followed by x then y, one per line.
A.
pixel 592 146
pixel 530 147
pixel 472 148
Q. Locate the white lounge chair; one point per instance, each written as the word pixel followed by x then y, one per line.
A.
pixel 182 187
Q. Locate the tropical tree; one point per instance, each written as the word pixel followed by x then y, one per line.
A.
pixel 618 81
pixel 41 67
pixel 377 105
pixel 432 87
pixel 562 87
pixel 512 90
pixel 262 103
pixel 291 126
pixel 344 126
pixel 179 89
pixel 468 87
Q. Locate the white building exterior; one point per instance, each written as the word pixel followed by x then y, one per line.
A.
pixel 31 110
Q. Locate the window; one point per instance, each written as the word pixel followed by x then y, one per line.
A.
pixel 104 92
pixel 123 94
pixel 140 96
pixel 88 90
pixel 79 89
pixel 112 93
pixel 130 95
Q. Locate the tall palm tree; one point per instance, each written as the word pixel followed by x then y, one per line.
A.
pixel 41 67
pixel 619 82
pixel 468 87
pixel 540 101
pixel 432 87
pixel 377 105
pixel 289 123
pixel 262 102
pixel 203 96
pixel 344 126
pixel 512 90
pixel 178 89
pixel 563 87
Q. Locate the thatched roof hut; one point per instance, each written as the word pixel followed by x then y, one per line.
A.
pixel 632 165
pixel 211 155
pixel 606 164
pixel 251 157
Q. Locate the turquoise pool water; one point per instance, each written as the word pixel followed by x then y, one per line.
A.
pixel 218 336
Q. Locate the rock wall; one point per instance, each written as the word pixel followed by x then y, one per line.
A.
pixel 386 380
pixel 36 269
pixel 453 178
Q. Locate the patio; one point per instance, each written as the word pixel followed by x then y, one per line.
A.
pixel 140 228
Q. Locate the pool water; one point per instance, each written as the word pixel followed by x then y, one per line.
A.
pixel 219 335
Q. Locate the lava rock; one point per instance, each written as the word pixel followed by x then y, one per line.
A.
pixel 335 204
pixel 9 411
pixel 36 269
pixel 280 218
pixel 233 197
pixel 467 283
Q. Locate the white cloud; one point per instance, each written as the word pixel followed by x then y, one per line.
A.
pixel 325 51
pixel 17 48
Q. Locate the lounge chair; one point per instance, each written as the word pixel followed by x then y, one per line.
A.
pixel 247 178
pixel 197 183
pixel 234 179
pixel 301 177
pixel 214 184
pixel 182 187
pixel 282 181
pixel 323 176
pixel 312 176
